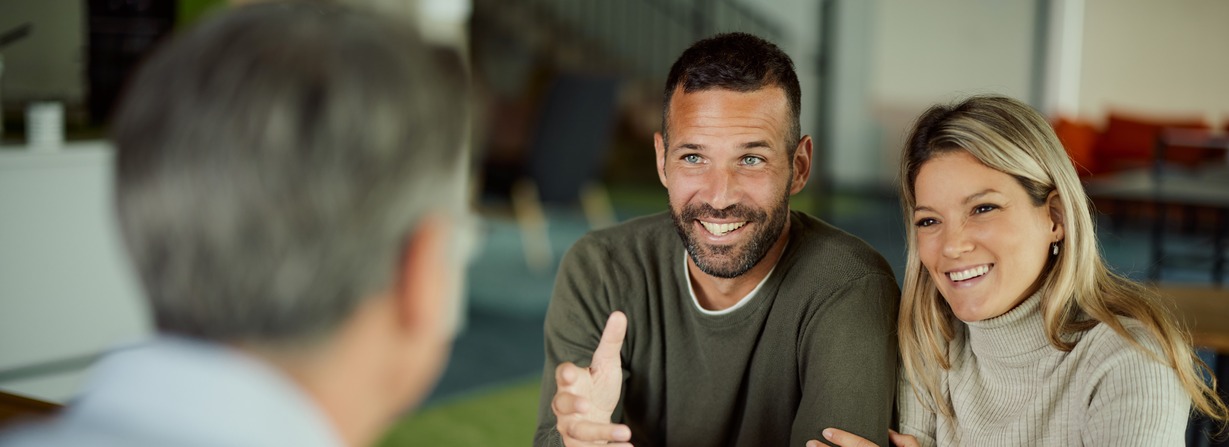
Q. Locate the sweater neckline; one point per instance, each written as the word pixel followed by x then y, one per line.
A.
pixel 1017 336
pixel 729 310
pixel 752 303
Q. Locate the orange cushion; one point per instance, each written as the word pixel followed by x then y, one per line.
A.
pixel 1079 139
pixel 1130 141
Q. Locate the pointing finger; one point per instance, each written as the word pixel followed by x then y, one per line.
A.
pixel 612 338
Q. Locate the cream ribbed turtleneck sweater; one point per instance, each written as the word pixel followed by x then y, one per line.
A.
pixel 1010 387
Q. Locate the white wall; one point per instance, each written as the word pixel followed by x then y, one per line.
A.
pixel 938 50
pixel 894 58
pixel 853 132
pixel 933 51
pixel 1157 58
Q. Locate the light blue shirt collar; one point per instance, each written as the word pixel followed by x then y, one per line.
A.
pixel 196 393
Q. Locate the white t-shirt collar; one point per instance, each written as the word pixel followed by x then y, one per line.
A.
pixel 742 302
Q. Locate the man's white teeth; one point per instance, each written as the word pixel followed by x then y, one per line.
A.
pixel 970 273
pixel 721 228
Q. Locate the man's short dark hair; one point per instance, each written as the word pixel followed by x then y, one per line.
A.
pixel 739 62
pixel 271 163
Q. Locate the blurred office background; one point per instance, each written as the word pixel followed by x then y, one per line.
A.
pixel 569 97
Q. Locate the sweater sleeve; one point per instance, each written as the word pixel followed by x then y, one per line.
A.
pixel 849 361
pixel 1135 399
pixel 578 310
pixel 914 416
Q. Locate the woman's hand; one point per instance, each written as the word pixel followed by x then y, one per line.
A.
pixel 842 438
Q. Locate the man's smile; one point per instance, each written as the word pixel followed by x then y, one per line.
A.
pixel 720 229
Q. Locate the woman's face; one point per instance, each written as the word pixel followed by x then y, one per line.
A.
pixel 979 235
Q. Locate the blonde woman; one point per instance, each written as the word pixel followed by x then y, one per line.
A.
pixel 1012 330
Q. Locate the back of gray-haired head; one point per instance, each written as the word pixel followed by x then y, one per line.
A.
pixel 272 161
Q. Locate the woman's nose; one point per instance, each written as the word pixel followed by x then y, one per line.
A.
pixel 956 242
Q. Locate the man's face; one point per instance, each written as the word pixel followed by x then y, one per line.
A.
pixel 729 173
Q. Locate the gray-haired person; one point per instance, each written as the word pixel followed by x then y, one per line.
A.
pixel 289 181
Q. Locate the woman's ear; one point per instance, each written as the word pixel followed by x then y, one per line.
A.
pixel 1054 204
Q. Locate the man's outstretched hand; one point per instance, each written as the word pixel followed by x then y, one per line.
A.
pixel 585 398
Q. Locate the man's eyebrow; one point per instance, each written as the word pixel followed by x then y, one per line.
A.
pixel 748 145
pixel 756 144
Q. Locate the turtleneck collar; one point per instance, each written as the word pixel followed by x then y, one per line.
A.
pixel 1016 337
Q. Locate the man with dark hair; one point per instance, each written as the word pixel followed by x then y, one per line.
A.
pixel 289 181
pixel 763 327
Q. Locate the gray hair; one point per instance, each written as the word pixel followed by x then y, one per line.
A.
pixel 272 162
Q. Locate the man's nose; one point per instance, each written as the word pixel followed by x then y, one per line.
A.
pixel 722 187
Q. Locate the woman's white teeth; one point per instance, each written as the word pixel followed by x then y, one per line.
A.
pixel 970 273
pixel 721 228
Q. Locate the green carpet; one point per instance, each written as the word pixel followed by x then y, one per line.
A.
pixel 502 416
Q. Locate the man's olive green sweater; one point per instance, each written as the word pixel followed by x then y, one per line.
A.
pixel 815 347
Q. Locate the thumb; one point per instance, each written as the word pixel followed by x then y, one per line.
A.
pixel 845 439
pixel 608 349
pixel 900 440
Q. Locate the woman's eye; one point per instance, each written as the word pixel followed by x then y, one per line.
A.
pixel 926 222
pixel 691 158
pixel 985 208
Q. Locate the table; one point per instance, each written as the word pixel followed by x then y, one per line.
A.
pixel 1206 313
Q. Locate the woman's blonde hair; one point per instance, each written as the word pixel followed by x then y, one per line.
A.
pixel 1080 292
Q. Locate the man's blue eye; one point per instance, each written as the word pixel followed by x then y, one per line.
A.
pixel 691 158
pixel 752 161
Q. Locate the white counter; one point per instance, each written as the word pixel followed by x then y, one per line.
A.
pixel 66 288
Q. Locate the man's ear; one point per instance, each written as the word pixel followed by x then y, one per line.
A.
pixel 1054 205
pixel 425 282
pixel 802 164
pixel 659 147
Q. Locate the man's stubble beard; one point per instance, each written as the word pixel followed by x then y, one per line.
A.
pixel 731 261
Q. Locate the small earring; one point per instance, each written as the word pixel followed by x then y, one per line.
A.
pixel 1054 249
